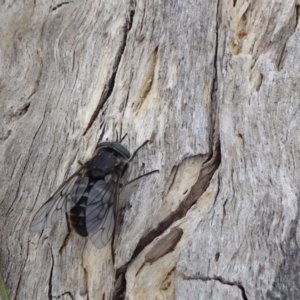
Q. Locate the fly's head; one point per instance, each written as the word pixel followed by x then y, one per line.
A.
pixel 110 158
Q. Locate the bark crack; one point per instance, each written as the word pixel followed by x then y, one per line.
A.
pixel 109 86
pixel 213 97
pixel 86 282
pixel 297 15
pixel 221 280
pixel 19 112
pixel 237 284
pixel 64 294
pixel 50 276
pixel 60 5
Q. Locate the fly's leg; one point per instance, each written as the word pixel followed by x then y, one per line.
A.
pixel 141 176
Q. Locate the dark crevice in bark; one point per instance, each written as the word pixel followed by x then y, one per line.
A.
pixel 73 66
pixel 217 256
pixel 86 282
pixel 215 131
pixel 224 208
pixel 282 58
pixel 120 286
pixel 109 86
pixel 19 282
pixel 60 5
pixel 50 276
pixel 221 280
pixel 20 112
pixel 64 294
pixel 165 245
pixel 24 110
pixel 237 284
pixel 297 15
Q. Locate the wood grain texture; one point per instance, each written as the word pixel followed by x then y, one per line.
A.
pixel 213 86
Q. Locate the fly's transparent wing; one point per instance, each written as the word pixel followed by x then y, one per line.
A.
pixel 67 195
pixel 100 218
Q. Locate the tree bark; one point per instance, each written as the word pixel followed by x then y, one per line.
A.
pixel 214 87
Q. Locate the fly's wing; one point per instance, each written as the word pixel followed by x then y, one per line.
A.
pixel 100 216
pixel 67 195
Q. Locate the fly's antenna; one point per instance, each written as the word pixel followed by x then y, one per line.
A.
pixel 124 136
pixel 136 151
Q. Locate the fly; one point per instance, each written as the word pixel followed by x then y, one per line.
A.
pixel 90 195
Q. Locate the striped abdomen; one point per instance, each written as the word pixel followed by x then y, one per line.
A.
pixel 78 212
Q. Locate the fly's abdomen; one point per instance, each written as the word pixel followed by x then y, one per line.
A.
pixel 77 216
pixel 78 212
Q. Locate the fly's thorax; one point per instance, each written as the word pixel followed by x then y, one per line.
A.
pixel 111 177
pixel 106 161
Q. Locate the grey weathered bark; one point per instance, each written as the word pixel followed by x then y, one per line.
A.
pixel 214 86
